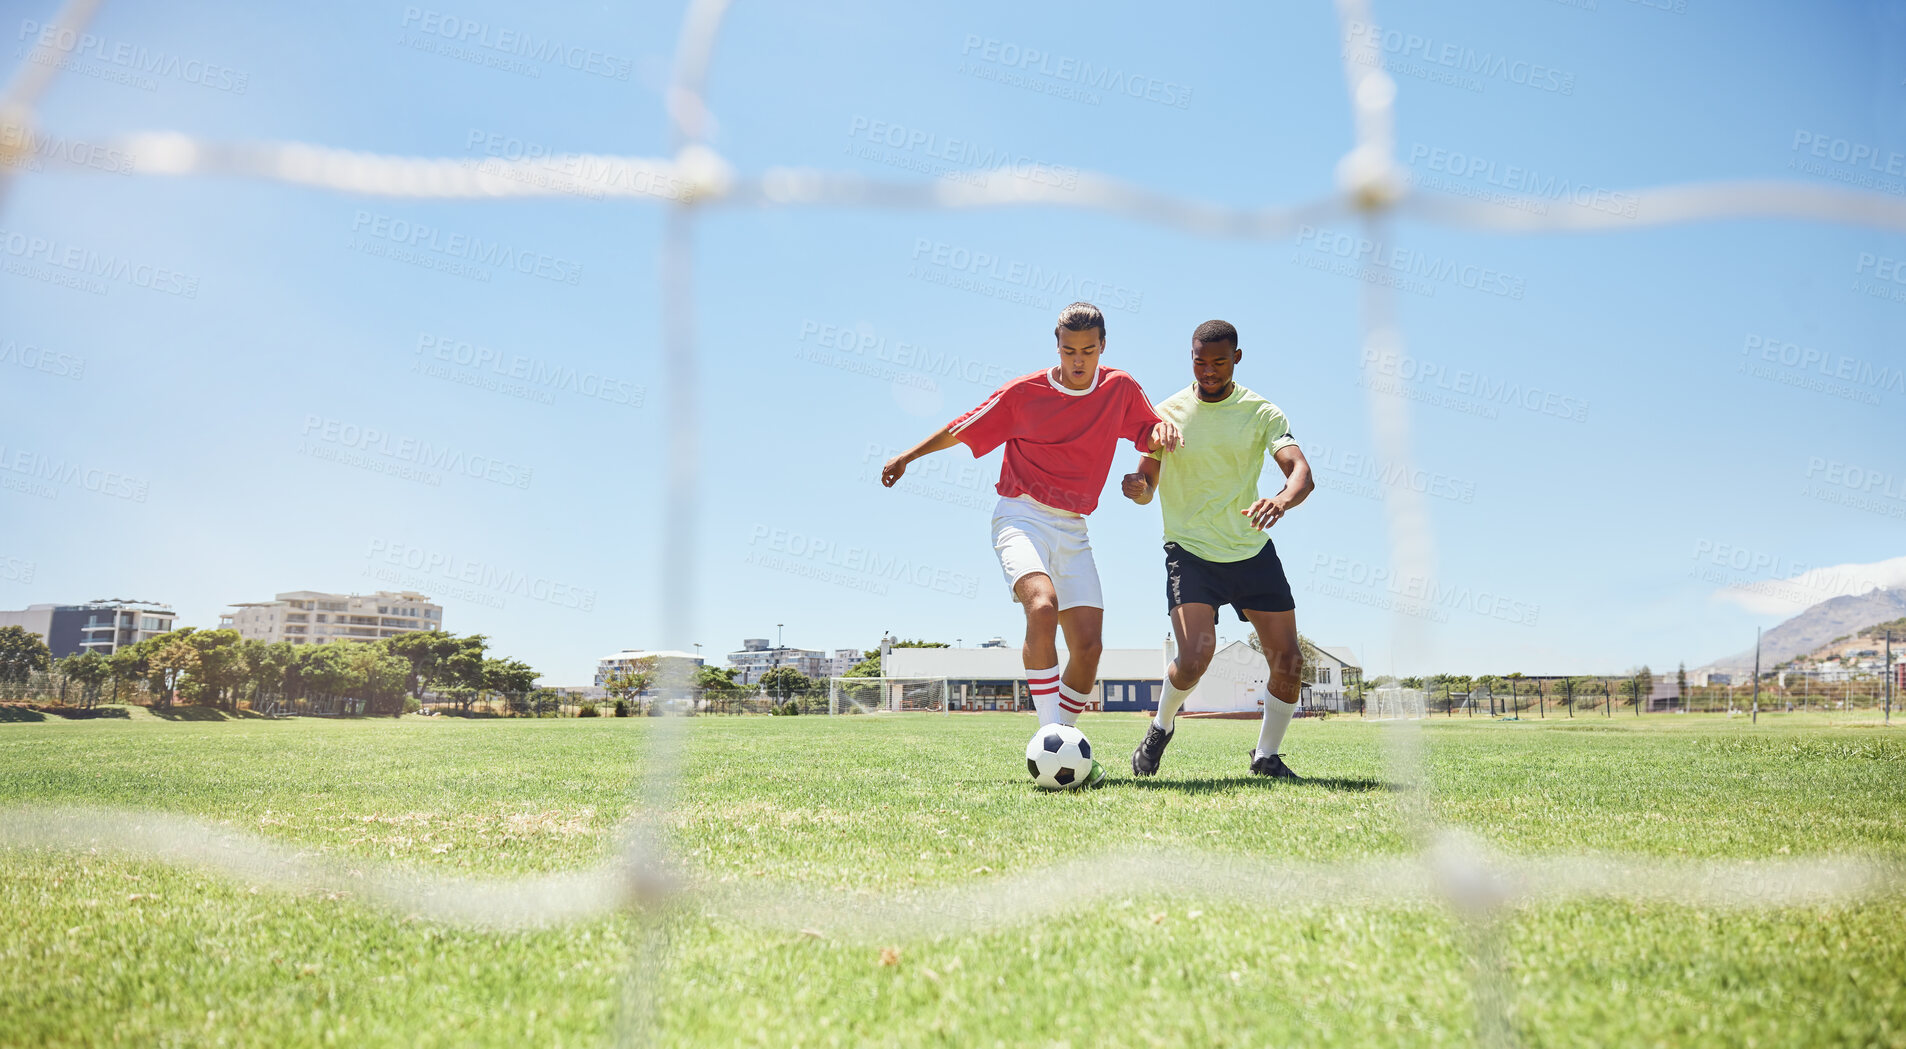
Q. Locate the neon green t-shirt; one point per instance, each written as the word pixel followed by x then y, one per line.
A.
pixel 1205 485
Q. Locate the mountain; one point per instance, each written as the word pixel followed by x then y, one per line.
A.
pixel 1834 617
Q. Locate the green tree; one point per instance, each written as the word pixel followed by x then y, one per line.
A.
pixel 125 666
pixel 427 652
pixel 88 670
pixel 22 652
pixel 220 671
pixel 169 660
pixel 869 666
pixel 1681 685
pixel 460 674
pixel 378 677
pixel 784 683
pixel 509 675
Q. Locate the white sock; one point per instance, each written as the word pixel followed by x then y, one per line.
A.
pixel 1071 703
pixel 1277 718
pixel 1168 706
pixel 1044 686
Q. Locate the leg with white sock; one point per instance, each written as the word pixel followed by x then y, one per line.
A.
pixel 1196 626
pixel 1277 635
pixel 1041 652
pixel 1083 625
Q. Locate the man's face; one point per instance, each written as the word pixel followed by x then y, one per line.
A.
pixel 1079 357
pixel 1211 365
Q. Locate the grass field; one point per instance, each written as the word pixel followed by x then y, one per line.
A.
pixel 100 950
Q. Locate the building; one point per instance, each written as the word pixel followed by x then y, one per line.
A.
pixel 845 659
pixel 663 664
pixel 308 617
pixel 103 626
pixel 757 657
pixel 1331 672
pixel 994 677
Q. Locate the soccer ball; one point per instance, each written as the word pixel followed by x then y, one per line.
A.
pixel 1059 757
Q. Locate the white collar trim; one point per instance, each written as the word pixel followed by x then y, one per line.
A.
pixel 1052 379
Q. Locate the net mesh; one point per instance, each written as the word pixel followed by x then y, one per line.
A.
pixel 867 695
pixel 1451 867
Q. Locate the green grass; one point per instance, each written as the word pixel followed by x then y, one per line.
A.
pixel 100 950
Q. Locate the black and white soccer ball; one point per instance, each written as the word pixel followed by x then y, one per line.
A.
pixel 1059 757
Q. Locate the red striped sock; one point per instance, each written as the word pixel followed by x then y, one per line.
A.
pixel 1044 686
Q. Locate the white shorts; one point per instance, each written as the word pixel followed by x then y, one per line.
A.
pixel 1032 537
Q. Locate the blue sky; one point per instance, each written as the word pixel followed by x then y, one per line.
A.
pixel 1637 444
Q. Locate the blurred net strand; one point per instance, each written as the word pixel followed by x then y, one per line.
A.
pixel 1457 867
pixel 699 175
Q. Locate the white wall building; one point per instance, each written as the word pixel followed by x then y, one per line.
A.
pixel 994 678
pixel 757 657
pixel 309 617
pixel 666 664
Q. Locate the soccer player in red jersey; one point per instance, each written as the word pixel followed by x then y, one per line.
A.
pixel 1061 427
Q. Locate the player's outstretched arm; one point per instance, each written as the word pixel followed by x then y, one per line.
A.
pixel 1297 486
pixel 897 466
pixel 1142 482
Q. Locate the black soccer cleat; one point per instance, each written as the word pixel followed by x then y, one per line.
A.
pixel 1272 765
pixel 1150 752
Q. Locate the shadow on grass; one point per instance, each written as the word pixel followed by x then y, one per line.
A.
pixel 189 714
pixel 88 714
pixel 13 713
pixel 1211 785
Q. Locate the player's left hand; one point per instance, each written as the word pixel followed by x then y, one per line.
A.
pixel 1264 513
pixel 1166 435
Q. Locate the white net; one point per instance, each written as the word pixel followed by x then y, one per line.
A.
pixel 1392 704
pixel 896 695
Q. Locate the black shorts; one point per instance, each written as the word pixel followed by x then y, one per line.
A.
pixel 1256 583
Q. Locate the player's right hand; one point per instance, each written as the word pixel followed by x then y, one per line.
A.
pixel 1134 486
pixel 892 472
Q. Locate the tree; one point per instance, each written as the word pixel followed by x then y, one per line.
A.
pixel 869 666
pixel 172 657
pixel 1681 685
pixel 508 675
pixel 127 665
pixel 461 672
pixel 220 670
pixel 427 652
pixel 784 683
pixel 916 643
pixel 1515 690
pixel 631 682
pixel 22 653
pixel 378 677
pixel 88 670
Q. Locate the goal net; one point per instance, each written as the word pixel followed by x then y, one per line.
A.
pixel 867 695
pixel 1394 704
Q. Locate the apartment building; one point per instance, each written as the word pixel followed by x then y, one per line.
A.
pixel 309 617
pixel 104 626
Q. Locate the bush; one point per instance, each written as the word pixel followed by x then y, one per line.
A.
pixel 588 711
pixel 622 708
pixel 411 706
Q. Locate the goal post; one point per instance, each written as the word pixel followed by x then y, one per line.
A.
pixel 869 695
pixel 1396 704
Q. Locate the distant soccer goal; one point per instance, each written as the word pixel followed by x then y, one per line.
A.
pixel 867 695
pixel 1395 704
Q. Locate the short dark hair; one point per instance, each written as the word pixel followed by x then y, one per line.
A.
pixel 1213 332
pixel 1080 316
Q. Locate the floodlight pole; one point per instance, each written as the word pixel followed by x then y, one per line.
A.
pixel 1756 675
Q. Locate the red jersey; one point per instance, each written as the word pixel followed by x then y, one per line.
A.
pixel 1059 442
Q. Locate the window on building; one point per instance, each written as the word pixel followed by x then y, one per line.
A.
pixel 1323 675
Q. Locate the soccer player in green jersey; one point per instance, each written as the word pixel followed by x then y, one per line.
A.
pixel 1216 549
